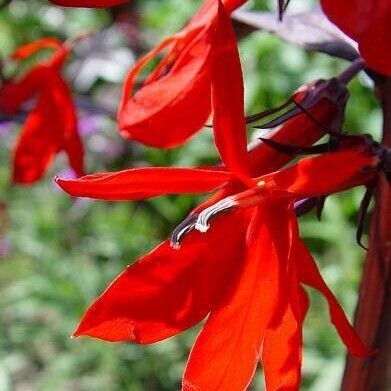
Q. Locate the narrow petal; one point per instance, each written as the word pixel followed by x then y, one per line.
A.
pixel 282 348
pixel 227 350
pixel 88 3
pixel 311 177
pixel 282 345
pixel 325 174
pixel 32 48
pixel 168 290
pixel 309 275
pixel 231 5
pixel 71 142
pixel 13 94
pixel 162 112
pixel 209 8
pixel 130 80
pixel 37 145
pixel 228 97
pixel 145 182
pixel 34 150
pixel 49 128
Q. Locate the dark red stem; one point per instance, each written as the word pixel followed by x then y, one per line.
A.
pixel 373 315
pixel 351 71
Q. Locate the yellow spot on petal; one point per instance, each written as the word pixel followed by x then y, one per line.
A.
pixel 261 183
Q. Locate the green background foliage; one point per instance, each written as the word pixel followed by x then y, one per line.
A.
pixel 60 253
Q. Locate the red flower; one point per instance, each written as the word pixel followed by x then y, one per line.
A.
pixel 239 272
pixel 246 271
pixel 174 102
pixel 268 304
pixel 88 3
pixel 52 124
pixel 368 23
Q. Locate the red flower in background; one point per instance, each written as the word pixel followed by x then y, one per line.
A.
pixel 246 271
pixel 368 23
pixel 174 101
pixel 51 126
pixel 89 3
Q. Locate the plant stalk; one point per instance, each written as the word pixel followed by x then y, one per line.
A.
pixel 373 314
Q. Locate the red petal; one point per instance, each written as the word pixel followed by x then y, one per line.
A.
pixel 162 113
pixel 367 22
pixel 228 97
pixel 231 5
pixel 32 48
pixel 325 174
pixel 14 94
pixel 41 137
pixel 209 10
pixel 343 14
pixel 37 144
pixel 66 115
pixel 88 3
pixel 309 275
pixel 168 290
pixel 282 348
pixel 226 352
pixel 49 128
pixel 374 41
pixel 144 182
pixel 321 175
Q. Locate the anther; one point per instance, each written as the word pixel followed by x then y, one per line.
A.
pixel 182 229
pixel 202 223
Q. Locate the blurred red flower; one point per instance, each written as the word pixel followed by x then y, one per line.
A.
pixel 88 3
pixel 51 126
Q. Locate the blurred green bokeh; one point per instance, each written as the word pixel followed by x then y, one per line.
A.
pixel 58 254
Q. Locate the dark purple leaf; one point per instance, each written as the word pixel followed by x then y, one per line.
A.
pixel 310 30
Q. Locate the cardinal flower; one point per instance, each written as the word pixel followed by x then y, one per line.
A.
pixel 238 273
pixel 278 334
pixel 368 23
pixel 88 3
pixel 281 334
pixel 51 126
pixel 174 101
pixel 245 272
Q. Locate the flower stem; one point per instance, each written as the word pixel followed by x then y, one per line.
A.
pixel 351 71
pixel 373 314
